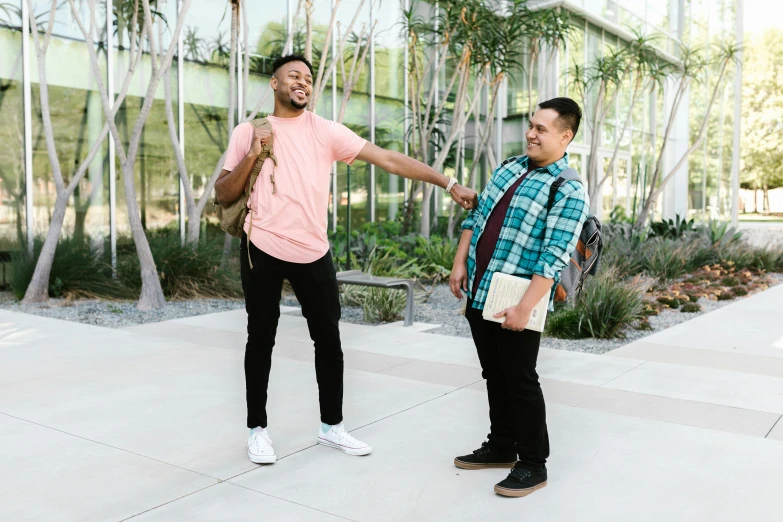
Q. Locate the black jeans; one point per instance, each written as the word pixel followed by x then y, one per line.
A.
pixel 517 412
pixel 315 286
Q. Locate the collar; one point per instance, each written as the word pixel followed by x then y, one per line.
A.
pixel 553 168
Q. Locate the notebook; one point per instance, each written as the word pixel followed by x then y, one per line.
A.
pixel 506 291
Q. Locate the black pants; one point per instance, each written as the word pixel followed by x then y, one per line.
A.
pixel 315 286
pixel 517 412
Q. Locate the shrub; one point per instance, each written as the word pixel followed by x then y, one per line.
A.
pixel 720 232
pixel 725 296
pixel 605 307
pixel 768 259
pixel 666 259
pixel 383 304
pixel 738 254
pixel 740 291
pixel 436 255
pixel 731 281
pixel 77 272
pixel 691 308
pixel 671 229
pixel 644 324
pixel 622 249
pixel 184 272
pixel 671 302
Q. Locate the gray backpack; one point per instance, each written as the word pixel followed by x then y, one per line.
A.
pixel 584 260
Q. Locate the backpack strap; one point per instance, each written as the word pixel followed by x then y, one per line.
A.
pixel 267 151
pixel 569 174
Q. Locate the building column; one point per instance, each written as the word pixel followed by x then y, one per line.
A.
pixel 28 129
pixel 112 152
pixel 371 193
pixel 181 123
pixel 735 158
pixel 675 194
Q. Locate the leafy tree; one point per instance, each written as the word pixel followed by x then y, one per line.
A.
pixel 762 115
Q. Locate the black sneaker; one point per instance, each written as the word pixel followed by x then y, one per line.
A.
pixel 521 482
pixel 487 456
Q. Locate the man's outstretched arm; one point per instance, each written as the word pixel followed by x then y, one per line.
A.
pixel 401 165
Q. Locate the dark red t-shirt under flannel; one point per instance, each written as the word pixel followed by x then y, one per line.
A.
pixel 489 238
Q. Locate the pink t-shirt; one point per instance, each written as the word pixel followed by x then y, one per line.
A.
pixel 291 223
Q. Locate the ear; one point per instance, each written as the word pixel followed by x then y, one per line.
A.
pixel 567 136
pixel 273 83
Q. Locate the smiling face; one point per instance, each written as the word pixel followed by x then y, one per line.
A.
pixel 293 85
pixel 547 138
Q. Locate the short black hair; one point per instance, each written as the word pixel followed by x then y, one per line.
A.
pixel 281 61
pixel 570 115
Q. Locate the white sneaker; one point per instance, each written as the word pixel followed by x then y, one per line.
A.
pixel 338 438
pixel 259 447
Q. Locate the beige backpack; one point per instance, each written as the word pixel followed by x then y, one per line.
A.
pixel 232 216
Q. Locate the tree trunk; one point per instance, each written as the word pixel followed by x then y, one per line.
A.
pixel 766 200
pixel 194 226
pixel 151 292
pixel 309 35
pixel 424 228
pixel 755 201
pixel 38 289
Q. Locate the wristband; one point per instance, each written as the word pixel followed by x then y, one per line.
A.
pixel 450 186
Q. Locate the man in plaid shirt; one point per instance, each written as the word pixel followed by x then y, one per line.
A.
pixel 512 232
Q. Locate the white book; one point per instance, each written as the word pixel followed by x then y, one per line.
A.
pixel 506 291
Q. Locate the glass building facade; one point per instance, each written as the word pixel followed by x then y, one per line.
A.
pixel 377 109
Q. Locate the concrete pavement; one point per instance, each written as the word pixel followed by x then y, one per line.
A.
pixel 148 423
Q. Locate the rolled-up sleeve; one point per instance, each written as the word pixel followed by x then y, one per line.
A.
pixel 563 226
pixel 474 214
pixel 471 220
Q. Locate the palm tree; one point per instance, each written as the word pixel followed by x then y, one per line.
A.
pixel 690 69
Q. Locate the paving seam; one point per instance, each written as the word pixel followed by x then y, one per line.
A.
pixel 109 446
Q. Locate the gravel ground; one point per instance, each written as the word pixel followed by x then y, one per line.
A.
pixel 444 309
pixel 117 314
pixel 441 308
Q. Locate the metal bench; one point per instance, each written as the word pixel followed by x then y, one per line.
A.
pixel 5 258
pixel 357 277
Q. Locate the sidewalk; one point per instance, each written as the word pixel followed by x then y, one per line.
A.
pixel 148 422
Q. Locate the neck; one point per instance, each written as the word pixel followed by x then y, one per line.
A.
pixel 542 163
pixel 286 111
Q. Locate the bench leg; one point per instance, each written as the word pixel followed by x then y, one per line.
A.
pixel 409 304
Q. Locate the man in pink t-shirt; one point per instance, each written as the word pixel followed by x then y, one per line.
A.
pixel 288 240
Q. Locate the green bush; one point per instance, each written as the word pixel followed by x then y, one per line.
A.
pixel 383 304
pixel 768 259
pixel 77 272
pixel 623 250
pixel 720 232
pixel 691 308
pixel 671 302
pixel 667 259
pixel 604 309
pixel 436 255
pixel 740 291
pixel 669 229
pixel 738 254
pixel 185 272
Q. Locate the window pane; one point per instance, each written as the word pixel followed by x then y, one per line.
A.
pixel 12 188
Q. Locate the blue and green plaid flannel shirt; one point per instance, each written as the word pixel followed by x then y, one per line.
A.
pixel 532 240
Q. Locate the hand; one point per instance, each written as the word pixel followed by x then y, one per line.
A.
pixel 458 279
pixel 260 138
pixel 464 197
pixel 516 318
